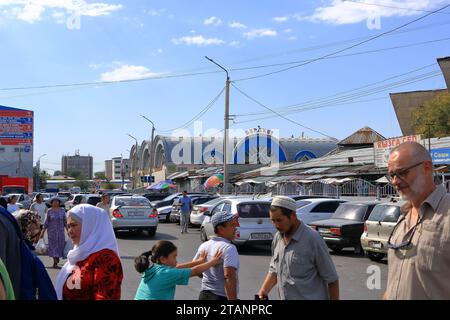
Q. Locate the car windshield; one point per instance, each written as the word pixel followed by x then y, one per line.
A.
pixel 132 202
pixel 385 213
pixel 213 202
pixel 94 200
pixel 302 203
pixel 254 210
pixel 350 212
pixel 171 197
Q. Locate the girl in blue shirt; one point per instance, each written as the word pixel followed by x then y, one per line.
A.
pixel 162 273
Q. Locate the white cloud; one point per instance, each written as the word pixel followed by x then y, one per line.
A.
pixel 32 10
pixel 259 33
pixel 156 12
pixel 198 41
pixel 347 12
pixel 95 66
pixel 235 44
pixel 237 25
pixel 287 30
pixel 60 17
pixel 127 72
pixel 280 19
pixel 213 21
pixel 292 38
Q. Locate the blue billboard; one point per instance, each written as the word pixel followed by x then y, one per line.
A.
pixel 441 156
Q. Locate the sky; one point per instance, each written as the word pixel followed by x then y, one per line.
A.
pixel 163 44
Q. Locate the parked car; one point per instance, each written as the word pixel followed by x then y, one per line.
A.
pixel 310 210
pixel 378 229
pixel 163 213
pixel 254 224
pixel 17 203
pixel 155 196
pixel 196 200
pixel 133 213
pixel 23 199
pixel 74 199
pixel 64 196
pixel 168 201
pixel 345 227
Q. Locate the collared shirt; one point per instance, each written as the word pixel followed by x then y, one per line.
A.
pixel 304 267
pixel 421 271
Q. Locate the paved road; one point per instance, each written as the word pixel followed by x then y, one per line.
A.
pixel 351 268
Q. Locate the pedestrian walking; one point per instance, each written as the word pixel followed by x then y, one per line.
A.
pixel 162 273
pixel 55 223
pixel 12 204
pixel 93 270
pixel 419 246
pixel 105 204
pixel 6 289
pixel 39 207
pixel 221 282
pixel 185 203
pixel 301 265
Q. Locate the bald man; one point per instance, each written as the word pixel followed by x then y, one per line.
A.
pixel 419 247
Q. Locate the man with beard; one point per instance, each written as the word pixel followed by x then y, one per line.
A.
pixel 301 264
pixel 419 246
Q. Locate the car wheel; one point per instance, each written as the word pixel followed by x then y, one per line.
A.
pixel 375 256
pixel 359 249
pixel 203 235
pixel 151 232
pixel 168 218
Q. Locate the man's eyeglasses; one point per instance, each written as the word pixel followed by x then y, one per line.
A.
pixel 402 173
pixel 404 244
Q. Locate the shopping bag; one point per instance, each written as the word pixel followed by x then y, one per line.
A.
pixel 41 247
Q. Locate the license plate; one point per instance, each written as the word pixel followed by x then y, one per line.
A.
pixel 135 214
pixel 261 236
pixel 375 244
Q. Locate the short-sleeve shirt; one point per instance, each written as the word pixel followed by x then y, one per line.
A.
pixel 304 267
pixel 40 209
pixel 420 271
pixel 159 282
pixel 214 278
pixel 185 204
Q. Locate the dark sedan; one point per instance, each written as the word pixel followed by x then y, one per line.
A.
pixel 345 227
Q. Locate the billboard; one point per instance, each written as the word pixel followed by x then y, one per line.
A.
pixel 441 156
pixel 382 149
pixel 16 142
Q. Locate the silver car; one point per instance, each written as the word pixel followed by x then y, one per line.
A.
pixel 254 224
pixel 23 200
pixel 133 213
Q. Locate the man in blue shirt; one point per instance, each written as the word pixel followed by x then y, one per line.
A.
pixel 185 210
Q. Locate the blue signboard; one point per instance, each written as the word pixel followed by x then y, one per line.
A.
pixel 441 156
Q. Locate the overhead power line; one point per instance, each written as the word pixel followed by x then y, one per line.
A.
pixel 392 7
pixel 344 49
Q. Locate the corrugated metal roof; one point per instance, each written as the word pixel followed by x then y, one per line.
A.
pixel 364 135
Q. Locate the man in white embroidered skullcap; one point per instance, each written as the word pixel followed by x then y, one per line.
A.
pixel 93 270
pixel 301 264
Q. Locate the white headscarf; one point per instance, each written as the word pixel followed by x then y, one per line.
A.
pixel 96 234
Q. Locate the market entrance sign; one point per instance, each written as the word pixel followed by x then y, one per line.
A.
pixel 382 149
pixel 440 156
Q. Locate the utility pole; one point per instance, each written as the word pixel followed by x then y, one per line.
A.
pixel 429 137
pixel 121 172
pixel 135 162
pixel 226 127
pixel 38 180
pixel 151 146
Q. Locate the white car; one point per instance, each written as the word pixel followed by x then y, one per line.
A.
pixel 310 210
pixel 254 224
pixel 163 213
pixel 133 213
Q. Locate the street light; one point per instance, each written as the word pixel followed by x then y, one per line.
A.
pixel 38 165
pixel 135 162
pixel 151 145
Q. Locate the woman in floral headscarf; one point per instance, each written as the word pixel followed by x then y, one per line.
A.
pixel 30 225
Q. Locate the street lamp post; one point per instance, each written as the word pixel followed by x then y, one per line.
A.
pixel 38 165
pixel 151 145
pixel 227 121
pixel 135 162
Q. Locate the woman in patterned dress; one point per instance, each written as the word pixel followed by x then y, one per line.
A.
pixel 55 223
pixel 93 270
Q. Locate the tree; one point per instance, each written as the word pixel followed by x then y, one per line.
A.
pixel 57 173
pixel 100 175
pixel 110 186
pixel 40 178
pixel 83 184
pixel 62 186
pixel 433 117
pixel 76 174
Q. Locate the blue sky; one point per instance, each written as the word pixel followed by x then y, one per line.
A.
pixel 118 40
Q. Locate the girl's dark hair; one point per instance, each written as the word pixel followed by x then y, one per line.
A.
pixel 11 198
pixel 160 249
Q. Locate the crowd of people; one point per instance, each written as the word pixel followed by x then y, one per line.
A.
pixel 301 266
